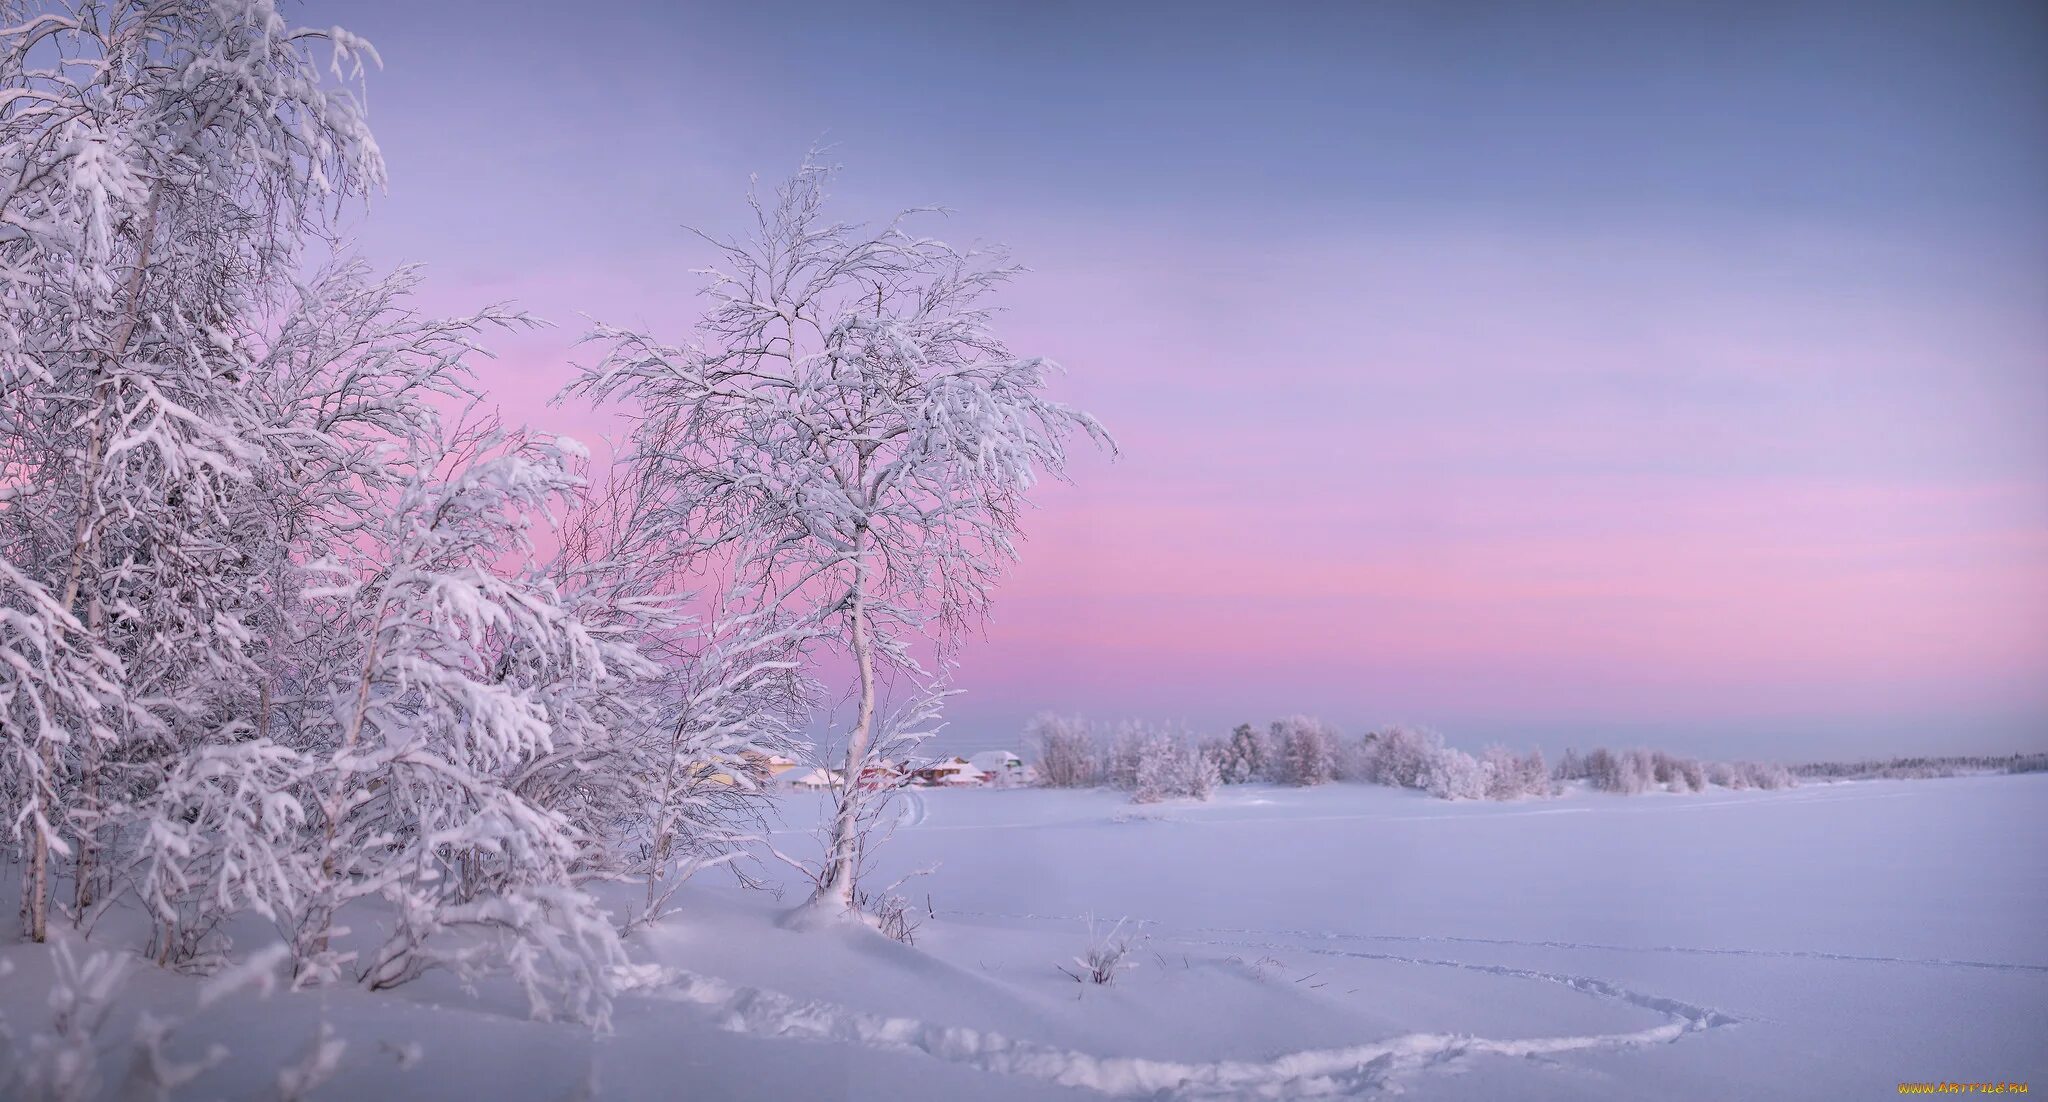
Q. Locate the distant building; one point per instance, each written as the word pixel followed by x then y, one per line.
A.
pixel 954 772
pixel 808 778
pixel 1003 768
pixel 882 775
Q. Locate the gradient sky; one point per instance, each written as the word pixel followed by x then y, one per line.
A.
pixel 1545 373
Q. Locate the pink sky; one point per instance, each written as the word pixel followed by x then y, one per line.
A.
pixel 1660 382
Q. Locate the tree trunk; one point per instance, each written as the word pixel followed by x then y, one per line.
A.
pixel 36 904
pixel 835 888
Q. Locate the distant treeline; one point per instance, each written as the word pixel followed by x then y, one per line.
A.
pixel 1921 768
pixel 1154 762
pixel 1158 762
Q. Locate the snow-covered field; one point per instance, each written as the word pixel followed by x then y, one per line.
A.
pixel 1829 941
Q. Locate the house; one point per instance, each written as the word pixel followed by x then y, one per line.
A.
pixel 1003 768
pixel 954 772
pixel 883 775
pixel 808 778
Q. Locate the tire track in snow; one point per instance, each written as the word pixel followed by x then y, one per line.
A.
pixel 915 810
pixel 1312 1073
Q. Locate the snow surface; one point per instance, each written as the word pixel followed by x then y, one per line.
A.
pixel 1832 940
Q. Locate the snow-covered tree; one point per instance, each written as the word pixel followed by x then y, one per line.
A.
pixel 1571 767
pixel 1510 776
pixel 454 681
pixel 1678 774
pixel 1535 771
pixel 1502 773
pixel 846 426
pixel 1399 756
pixel 1065 750
pixel 163 162
pixel 1454 775
pixel 1172 766
pixel 1244 758
pixel 1626 772
pixel 1304 751
pixel 1749 774
pixel 1122 752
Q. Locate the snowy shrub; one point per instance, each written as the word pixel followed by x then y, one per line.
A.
pixel 1454 775
pixel 1749 774
pixel 1536 775
pixel 1122 754
pixel 893 914
pixel 1680 774
pixel 1399 756
pixel 1624 773
pixel 1304 751
pixel 1245 757
pixel 449 675
pixel 1172 766
pixel 1106 957
pixel 1501 773
pixel 1350 760
pixel 1571 767
pixel 224 833
pixel 1065 749
pixel 1723 774
pixel 1629 772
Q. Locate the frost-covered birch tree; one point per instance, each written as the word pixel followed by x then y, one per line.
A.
pixel 845 425
pixel 160 164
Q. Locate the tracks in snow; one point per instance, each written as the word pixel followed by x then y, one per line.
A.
pixel 1430 939
pixel 1313 1073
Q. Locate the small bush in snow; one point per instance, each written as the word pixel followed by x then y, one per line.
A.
pixel 893 915
pixel 1107 955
